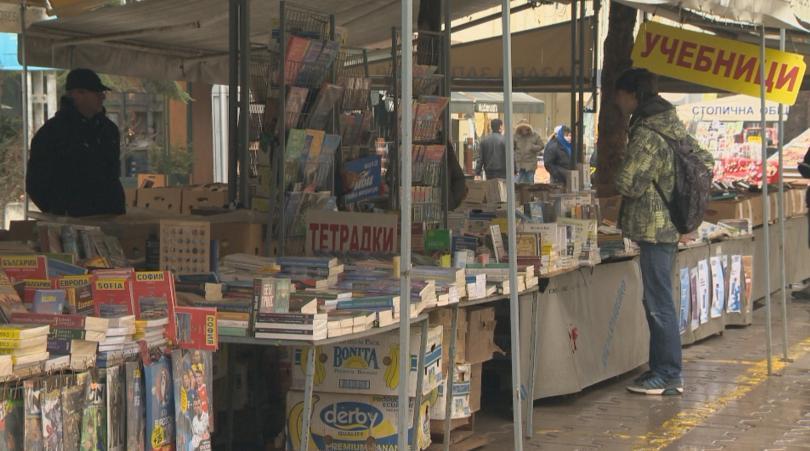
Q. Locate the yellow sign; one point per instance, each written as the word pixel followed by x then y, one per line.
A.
pixel 718 63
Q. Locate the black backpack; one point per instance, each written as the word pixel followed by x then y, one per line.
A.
pixel 693 182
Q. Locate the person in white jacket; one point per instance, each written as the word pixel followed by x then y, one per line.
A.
pixel 528 145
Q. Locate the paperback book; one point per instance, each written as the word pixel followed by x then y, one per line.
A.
pixel 197 328
pixel 72 398
pixel 52 424
pixel 112 294
pixel 160 427
pixel 33 417
pixel 192 414
pixel 11 424
pixel 94 417
pixel 135 406
pixel 116 409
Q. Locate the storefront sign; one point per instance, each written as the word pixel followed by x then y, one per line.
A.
pixel 339 233
pixel 486 107
pixel 717 62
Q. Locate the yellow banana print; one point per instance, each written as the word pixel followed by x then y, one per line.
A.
pixel 392 372
pixel 295 422
pixel 320 369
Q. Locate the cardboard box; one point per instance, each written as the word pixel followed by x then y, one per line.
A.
pixel 151 180
pixel 460 406
pixel 480 338
pixel 444 318
pixel 527 245
pixel 476 192
pixel 370 365
pixel 343 421
pixel 206 196
pixel 496 191
pixel 239 238
pixel 733 209
pixel 169 200
pixel 476 374
pixel 131 195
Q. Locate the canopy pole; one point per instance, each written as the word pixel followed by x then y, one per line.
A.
pixel 574 89
pixel 233 93
pixel 406 131
pixel 783 277
pixel 244 101
pixel 514 302
pixel 766 205
pixel 26 132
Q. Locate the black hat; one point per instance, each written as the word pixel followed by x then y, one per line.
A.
pixel 84 79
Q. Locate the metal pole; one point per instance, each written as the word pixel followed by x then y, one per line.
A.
pixel 573 122
pixel 244 100
pixel 783 277
pixel 532 365
pixel 25 136
pixel 420 381
pixel 233 89
pixel 514 305
pixel 451 373
pixel 278 208
pixel 394 152
pixel 597 6
pixel 447 93
pixel 766 206
pixel 579 151
pixel 308 388
pixel 406 130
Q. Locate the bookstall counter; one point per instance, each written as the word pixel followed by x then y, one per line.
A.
pixel 797 255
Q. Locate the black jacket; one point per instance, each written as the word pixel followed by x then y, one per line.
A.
pixel 556 160
pixel 493 156
pixel 75 164
pixel 456 181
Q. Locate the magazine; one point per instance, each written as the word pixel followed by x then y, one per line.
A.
pixel 735 286
pixel 159 405
pixel 116 409
pixel 72 398
pixel 135 408
pixel 52 424
pixel 328 97
pixel 685 300
pixel 192 403
pixel 11 424
pixel 33 417
pixel 361 179
pixel 93 435
pixel 718 287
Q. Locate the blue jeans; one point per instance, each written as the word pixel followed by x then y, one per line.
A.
pixel 525 176
pixel 665 338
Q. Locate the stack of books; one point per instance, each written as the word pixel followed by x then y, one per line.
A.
pixel 304 272
pixel 119 342
pixel 152 331
pixel 27 344
pixel 70 335
pixel 307 324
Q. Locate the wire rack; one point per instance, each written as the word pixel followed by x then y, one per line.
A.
pixel 427 55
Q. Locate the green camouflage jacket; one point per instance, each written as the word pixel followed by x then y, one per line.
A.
pixel 648 159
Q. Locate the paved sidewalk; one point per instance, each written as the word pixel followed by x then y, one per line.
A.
pixel 729 401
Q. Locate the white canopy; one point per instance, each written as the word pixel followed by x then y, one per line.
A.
pixel 188 39
pixel 771 13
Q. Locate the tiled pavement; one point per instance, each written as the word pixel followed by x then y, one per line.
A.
pixel 729 402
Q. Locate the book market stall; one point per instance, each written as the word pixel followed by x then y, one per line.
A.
pixel 346 307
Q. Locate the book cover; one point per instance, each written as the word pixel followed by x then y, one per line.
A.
pixel 79 292
pixel 197 328
pixel 52 424
pixel 704 290
pixel 61 321
pixel 192 414
pixel 11 424
pixel 297 48
pixel 94 413
pixel 734 304
pixel 361 179
pixel 497 242
pixel 718 287
pixel 116 409
pixel 72 399
pixel 10 301
pixel 30 287
pixel 135 406
pixel 22 331
pixel 113 292
pixel 57 268
pixel 33 417
pixel 21 267
pixel 296 100
pixel 694 303
pixel 683 319
pixel 296 142
pixel 155 297
pixel 328 97
pixel 50 301
pixel 159 405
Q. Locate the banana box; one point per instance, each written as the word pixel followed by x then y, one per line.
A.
pixel 460 405
pixel 370 365
pixel 346 421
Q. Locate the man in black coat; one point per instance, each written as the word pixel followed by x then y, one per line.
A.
pixel 75 157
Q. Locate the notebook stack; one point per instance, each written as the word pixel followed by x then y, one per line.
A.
pixel 72 335
pixel 27 344
pixel 152 331
pixel 119 342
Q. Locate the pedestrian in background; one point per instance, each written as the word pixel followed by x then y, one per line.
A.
pixel 528 145
pixel 558 154
pixel 493 153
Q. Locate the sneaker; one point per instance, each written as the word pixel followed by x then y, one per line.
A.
pixel 657 385
pixel 643 377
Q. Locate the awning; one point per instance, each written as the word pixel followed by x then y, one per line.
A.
pixel 492 102
pixel 771 13
pixel 188 39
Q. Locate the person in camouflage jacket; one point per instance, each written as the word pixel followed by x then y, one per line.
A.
pixel 645 219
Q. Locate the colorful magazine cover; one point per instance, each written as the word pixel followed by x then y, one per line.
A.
pixel 116 409
pixel 33 417
pixel 361 179
pixel 718 287
pixel 197 328
pixel 72 401
pixel 685 300
pixel 159 405
pixel 11 424
pixel 192 398
pixel 52 424
pixel 694 304
pixel 735 286
pixel 704 290
pixel 135 407
pixel 94 430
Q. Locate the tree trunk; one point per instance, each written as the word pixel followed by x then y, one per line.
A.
pixel 612 133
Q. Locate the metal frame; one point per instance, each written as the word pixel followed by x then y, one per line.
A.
pixel 25 138
pixel 766 207
pixel 244 100
pixel 782 278
pixel 233 107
